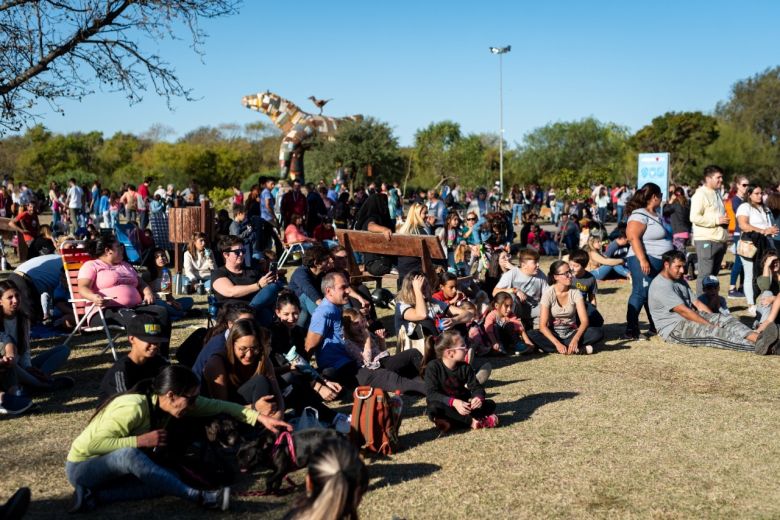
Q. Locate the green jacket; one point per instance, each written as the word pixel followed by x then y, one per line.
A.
pixel 120 423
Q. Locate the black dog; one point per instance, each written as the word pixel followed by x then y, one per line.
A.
pixel 291 452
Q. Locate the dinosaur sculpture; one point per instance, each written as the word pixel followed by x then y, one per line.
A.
pixel 299 129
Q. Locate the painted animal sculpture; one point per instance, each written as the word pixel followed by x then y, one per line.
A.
pixel 299 128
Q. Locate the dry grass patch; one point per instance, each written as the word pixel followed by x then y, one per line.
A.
pixel 642 429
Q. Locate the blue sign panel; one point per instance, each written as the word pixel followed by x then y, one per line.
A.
pixel 654 167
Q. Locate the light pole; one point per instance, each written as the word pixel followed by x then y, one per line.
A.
pixel 501 51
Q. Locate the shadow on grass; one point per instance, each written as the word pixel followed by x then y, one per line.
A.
pixel 525 407
pixel 391 474
pixel 494 383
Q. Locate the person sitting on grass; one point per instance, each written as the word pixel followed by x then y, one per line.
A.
pixel 198 263
pixel 618 249
pixel 306 279
pixel 216 337
pixel 10 402
pixel 391 373
pixel 243 373
pixel 505 330
pixel 563 324
pixel 448 290
pixel 415 306
pixel 33 374
pixel 110 460
pixel 681 318
pixel 767 286
pixel 335 483
pixel 526 284
pixel 599 264
pixel 454 396
pixel 711 296
pixel 585 282
pixel 235 282
pixel 142 362
pixel 177 307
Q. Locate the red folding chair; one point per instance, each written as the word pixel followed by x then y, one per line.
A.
pixel 74 254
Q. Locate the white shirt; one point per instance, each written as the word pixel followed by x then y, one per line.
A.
pixel 757 217
pixel 75 197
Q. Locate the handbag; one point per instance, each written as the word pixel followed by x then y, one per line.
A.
pixel 746 248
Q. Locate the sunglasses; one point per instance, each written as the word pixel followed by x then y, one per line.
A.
pixel 237 252
pixel 472 219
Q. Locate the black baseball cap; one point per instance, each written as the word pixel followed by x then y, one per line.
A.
pixel 146 328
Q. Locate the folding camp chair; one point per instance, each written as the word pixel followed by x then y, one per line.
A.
pixel 74 254
pixel 290 249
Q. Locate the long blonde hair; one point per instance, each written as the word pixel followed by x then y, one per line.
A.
pixel 414 220
pixel 406 293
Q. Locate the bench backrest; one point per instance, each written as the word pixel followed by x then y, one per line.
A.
pixel 425 247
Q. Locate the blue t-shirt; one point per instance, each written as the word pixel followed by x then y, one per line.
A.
pixel 264 213
pixel 44 271
pixel 216 345
pixel 326 321
pixel 303 281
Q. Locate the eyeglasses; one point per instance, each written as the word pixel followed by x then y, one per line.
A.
pixel 457 348
pixel 243 351
pixel 566 273
pixel 237 252
pixel 471 218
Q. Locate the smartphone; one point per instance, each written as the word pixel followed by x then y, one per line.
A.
pixel 273 267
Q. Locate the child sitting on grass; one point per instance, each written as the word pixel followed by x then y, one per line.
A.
pixel 585 282
pixel 711 297
pixel 455 398
pixel 505 330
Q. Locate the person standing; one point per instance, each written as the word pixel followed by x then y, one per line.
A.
pixel 710 225
pixel 75 201
pixel 143 202
pixel 741 184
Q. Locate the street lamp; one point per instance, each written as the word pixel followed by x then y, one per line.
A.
pixel 501 51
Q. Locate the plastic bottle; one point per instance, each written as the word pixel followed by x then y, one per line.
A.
pixel 165 280
pixel 212 299
pixel 301 365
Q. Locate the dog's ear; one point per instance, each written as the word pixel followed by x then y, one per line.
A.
pixel 212 430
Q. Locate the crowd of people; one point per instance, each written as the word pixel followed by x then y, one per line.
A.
pixel 281 344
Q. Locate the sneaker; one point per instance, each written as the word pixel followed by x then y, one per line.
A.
pixel 586 350
pixel 523 348
pixel 441 424
pixel 217 499
pixel 491 421
pixel 342 423
pixel 483 374
pixel 14 405
pixel 629 337
pixel 751 311
pixel 767 340
pixel 82 501
pixel 735 293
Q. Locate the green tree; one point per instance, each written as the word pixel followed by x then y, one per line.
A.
pixel 754 105
pixel 357 146
pixel 742 151
pixel 434 157
pixel 685 135
pixel 588 147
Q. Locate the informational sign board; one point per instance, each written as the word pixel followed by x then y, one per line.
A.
pixel 654 167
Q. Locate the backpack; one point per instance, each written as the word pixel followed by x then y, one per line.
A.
pixel 376 419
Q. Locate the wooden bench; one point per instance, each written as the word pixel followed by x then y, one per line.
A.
pixel 426 247
pixel 8 235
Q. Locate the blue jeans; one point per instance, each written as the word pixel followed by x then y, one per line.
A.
pixel 174 314
pixel 557 209
pixel 307 309
pixel 48 362
pixel 640 285
pixel 264 303
pixel 517 213
pixel 620 210
pixel 127 474
pixel 603 215
pixel 736 269
pixel 603 271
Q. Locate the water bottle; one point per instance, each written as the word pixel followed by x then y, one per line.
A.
pixel 165 280
pixel 212 299
pixel 301 365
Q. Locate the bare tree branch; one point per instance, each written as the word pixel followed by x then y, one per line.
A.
pixel 52 50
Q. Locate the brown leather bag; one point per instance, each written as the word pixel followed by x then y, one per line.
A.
pixel 376 419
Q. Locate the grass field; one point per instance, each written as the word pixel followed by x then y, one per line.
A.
pixel 642 429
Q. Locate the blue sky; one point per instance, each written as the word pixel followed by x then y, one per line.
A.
pixel 413 63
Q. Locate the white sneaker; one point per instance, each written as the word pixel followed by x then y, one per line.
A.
pixel 751 311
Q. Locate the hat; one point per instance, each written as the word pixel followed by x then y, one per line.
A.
pixel 710 281
pixel 146 328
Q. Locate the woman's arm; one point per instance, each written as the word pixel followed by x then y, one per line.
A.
pixel 544 328
pixel 634 232
pixel 373 227
pixel 598 258
pixel 190 269
pixel 582 314
pixel 420 310
pixel 229 290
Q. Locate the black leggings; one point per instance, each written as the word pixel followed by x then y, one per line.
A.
pixel 437 409
pixel 592 336
pixel 256 387
pixel 398 372
pixel 302 395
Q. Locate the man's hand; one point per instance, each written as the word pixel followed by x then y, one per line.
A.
pixel 266 405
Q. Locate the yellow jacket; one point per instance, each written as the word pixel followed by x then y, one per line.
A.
pixel 706 209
